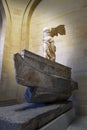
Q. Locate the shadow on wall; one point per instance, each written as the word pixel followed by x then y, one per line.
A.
pixel 2 34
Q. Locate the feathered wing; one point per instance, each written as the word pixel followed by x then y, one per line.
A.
pixel 59 29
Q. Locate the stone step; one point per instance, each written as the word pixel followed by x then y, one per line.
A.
pixel 27 117
pixel 62 122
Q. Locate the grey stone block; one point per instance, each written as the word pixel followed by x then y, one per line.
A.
pixel 61 122
pixel 24 117
pixel 46 66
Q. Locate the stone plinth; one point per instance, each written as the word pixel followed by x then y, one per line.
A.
pixel 49 81
pixel 25 117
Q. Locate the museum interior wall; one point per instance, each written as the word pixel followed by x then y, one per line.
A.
pixel 24 22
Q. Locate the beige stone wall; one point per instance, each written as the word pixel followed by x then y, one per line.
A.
pixel 72 47
pixel 16 15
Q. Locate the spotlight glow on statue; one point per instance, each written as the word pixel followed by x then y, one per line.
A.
pixel 49 46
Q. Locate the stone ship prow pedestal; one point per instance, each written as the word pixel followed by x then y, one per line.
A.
pixel 49 81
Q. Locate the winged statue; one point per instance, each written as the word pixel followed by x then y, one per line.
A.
pixel 49 47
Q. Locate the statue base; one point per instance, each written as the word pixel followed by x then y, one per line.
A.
pixel 24 117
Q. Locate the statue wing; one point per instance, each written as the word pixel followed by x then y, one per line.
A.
pixel 59 29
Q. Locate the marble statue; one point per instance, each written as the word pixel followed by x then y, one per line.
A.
pixel 49 46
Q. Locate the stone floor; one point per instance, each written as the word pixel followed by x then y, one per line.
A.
pixel 80 123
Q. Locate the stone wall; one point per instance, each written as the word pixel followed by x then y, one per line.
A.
pixel 18 15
